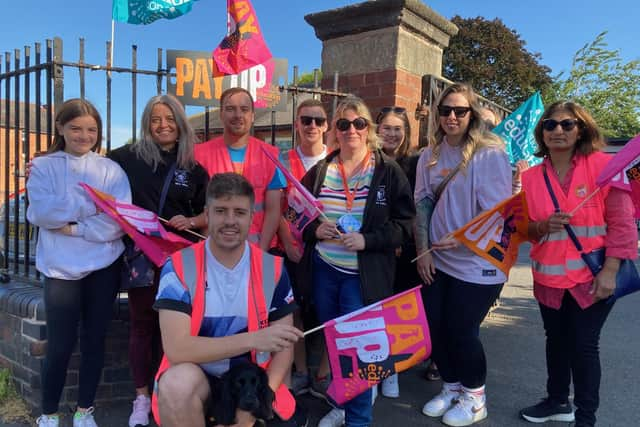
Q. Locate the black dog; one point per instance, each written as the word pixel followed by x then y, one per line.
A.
pixel 244 387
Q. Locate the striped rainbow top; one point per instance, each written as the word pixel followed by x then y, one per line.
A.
pixel 334 202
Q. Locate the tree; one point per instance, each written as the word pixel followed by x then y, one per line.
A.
pixel 493 59
pixel 605 85
pixel 307 79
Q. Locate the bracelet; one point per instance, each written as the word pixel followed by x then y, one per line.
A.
pixel 538 224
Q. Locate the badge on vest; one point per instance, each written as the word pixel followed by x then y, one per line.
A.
pixel 581 191
pixel 381 196
pixel 262 357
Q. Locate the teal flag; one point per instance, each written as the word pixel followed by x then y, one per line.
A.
pixel 517 130
pixel 146 11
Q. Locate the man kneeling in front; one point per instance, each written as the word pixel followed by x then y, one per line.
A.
pixel 222 302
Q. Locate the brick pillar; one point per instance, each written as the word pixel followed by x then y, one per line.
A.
pixel 381 49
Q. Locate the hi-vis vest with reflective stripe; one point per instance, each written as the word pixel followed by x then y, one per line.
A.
pixel 555 260
pixel 214 156
pixel 189 266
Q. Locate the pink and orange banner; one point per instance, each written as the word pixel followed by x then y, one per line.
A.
pixel 495 235
pixel 623 171
pixel 243 46
pixel 375 342
pixel 141 225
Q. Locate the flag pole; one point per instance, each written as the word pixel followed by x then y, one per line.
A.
pixel 310 331
pixel 428 251
pixel 113 32
pixel 584 201
pixel 186 231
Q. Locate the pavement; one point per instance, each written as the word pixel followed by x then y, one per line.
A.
pixel 513 339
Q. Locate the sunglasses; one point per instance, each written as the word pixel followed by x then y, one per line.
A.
pixel 385 110
pixel 445 111
pixel 566 124
pixel 306 120
pixel 344 124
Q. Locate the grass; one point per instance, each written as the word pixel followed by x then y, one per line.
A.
pixel 12 407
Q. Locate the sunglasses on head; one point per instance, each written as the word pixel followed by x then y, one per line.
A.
pixel 445 111
pixel 306 120
pixel 566 124
pixel 395 110
pixel 344 124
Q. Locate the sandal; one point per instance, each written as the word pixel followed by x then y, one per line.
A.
pixel 432 373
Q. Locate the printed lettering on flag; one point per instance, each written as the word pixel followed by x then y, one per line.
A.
pixel 243 46
pixel 495 235
pixel 139 224
pixel 517 130
pixel 147 11
pixel 375 342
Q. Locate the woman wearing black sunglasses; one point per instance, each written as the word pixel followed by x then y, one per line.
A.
pixel 351 257
pixel 572 302
pixel 464 171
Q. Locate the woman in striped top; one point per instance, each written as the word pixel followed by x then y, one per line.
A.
pixel 350 254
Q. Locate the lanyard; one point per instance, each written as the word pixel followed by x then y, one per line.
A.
pixel 345 182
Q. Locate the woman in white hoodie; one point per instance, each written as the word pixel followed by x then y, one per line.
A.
pixel 79 253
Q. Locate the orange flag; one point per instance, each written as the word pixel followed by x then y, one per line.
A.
pixel 495 235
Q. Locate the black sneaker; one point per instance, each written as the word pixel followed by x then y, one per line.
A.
pixel 548 410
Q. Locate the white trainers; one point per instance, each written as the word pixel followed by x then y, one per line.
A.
pixel 390 387
pixel 443 401
pixel 140 415
pixel 48 421
pixel 335 418
pixel 84 419
pixel 470 408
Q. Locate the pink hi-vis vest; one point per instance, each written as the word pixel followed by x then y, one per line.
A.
pixel 293 163
pixel 214 156
pixel 556 262
pixel 189 266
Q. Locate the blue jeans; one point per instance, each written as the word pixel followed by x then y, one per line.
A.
pixel 336 293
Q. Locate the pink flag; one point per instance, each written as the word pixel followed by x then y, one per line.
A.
pixel 141 225
pixel 302 207
pixel 377 341
pixel 623 171
pixel 243 46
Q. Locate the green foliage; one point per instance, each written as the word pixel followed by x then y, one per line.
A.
pixel 493 59
pixel 605 85
pixel 7 389
pixel 306 79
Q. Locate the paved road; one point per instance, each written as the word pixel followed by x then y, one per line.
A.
pixel 514 341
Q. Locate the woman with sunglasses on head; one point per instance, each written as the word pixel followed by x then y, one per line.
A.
pixel 573 303
pixel 351 257
pixel 463 172
pixel 79 253
pixel 165 179
pixel 394 131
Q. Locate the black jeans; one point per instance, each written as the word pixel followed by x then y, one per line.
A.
pixel 455 309
pixel 573 337
pixel 66 302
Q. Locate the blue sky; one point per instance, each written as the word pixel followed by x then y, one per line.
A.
pixel 554 29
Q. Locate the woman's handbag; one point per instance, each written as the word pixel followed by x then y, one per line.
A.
pixel 627 279
pixel 137 270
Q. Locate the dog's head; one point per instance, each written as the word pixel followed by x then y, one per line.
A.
pixel 244 387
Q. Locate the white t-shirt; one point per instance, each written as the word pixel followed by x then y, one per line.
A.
pixel 309 161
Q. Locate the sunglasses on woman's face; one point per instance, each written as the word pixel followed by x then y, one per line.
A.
pixel 306 120
pixel 445 111
pixel 567 125
pixel 344 124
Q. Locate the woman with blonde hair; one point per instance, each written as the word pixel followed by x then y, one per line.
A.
pixel 164 179
pixel 464 171
pixel 351 256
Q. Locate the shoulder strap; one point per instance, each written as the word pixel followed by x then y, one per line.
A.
pixel 165 187
pixel 445 181
pixel 556 205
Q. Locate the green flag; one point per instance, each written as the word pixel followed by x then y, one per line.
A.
pixel 146 11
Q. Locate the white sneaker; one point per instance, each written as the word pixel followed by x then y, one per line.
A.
pixel 140 415
pixel 335 418
pixel 84 419
pixel 390 387
pixel 440 404
pixel 469 408
pixel 48 421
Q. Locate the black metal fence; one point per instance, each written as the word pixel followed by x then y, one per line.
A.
pixel 36 79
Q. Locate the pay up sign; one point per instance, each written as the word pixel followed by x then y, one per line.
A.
pixel 194 84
